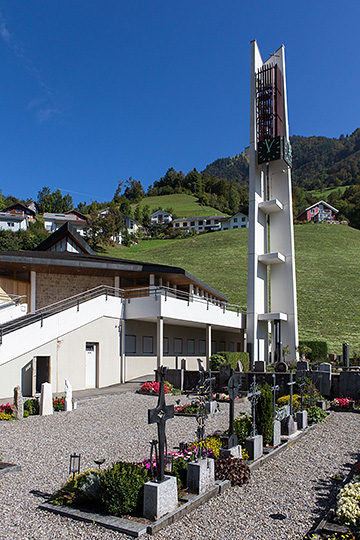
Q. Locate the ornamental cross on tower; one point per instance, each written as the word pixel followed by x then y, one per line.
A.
pixel 159 416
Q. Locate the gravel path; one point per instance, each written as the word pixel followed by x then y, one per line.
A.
pixel 296 484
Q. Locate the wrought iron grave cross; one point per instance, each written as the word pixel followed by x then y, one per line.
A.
pixel 275 387
pixel 159 416
pixel 203 392
pixel 233 388
pixel 301 384
pixel 291 384
pixel 253 397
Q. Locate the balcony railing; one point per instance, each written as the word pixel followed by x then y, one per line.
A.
pixel 124 294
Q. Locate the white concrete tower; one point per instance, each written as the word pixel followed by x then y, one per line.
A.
pixel 271 295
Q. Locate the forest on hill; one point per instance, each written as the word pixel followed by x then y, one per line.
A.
pixel 318 163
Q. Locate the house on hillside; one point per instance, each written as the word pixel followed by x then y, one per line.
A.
pixel 129 224
pixel 28 210
pixel 318 213
pixel 98 321
pixel 238 221
pixel 52 221
pixel 160 217
pixel 199 224
pixel 13 221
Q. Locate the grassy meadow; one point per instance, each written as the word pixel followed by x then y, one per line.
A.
pixel 322 194
pixel 327 270
pixel 181 204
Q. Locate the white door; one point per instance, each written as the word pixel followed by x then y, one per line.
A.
pixel 90 365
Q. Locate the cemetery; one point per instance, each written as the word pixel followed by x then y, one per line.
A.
pixel 134 494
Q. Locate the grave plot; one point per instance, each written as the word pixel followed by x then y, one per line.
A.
pixel 149 491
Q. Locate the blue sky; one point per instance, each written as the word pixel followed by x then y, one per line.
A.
pixel 93 92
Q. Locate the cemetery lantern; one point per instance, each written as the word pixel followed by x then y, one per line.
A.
pixel 74 467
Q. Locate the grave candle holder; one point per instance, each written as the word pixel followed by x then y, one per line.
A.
pixel 74 467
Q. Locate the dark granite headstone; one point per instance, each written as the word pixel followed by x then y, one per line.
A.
pixel 281 367
pixel 224 375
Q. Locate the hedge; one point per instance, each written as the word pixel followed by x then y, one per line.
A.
pixel 319 350
pixel 232 358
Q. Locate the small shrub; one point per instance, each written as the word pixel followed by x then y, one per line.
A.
pixel 233 469
pixel 32 406
pixel 242 427
pixel 264 414
pixel 121 487
pixel 315 414
pixel 216 360
pixel 84 487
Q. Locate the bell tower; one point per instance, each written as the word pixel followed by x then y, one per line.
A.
pixel 271 293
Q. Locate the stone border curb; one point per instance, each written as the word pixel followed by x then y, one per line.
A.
pixel 135 528
pixel 8 467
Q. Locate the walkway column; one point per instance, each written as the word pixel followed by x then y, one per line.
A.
pixel 32 299
pixel 160 340
pixel 122 350
pixel 208 346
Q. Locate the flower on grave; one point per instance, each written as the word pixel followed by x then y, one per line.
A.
pixel 286 350
pixel 152 387
pixel 343 403
pixel 7 409
pixel 348 504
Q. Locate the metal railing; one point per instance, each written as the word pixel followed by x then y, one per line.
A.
pixel 7 299
pixel 123 294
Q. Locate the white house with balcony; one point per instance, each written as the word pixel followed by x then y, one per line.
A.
pixel 199 224
pixel 238 221
pixel 160 217
pixel 13 222
pixel 99 321
pixel 53 221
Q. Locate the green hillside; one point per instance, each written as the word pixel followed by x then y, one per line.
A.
pixel 327 269
pixel 182 205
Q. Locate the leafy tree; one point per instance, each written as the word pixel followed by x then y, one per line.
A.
pixel 134 190
pixel 53 201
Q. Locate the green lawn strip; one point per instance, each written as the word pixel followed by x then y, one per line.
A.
pixel 327 270
pixel 182 205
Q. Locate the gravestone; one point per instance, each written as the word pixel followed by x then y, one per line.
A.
pixel 325 378
pixel 254 443
pixel 302 365
pixel 46 399
pixel 280 367
pixel 68 396
pixel 224 375
pixel 160 496
pixel 18 407
pixel 200 475
pixel 260 366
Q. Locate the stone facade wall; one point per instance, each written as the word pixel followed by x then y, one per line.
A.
pixel 51 288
